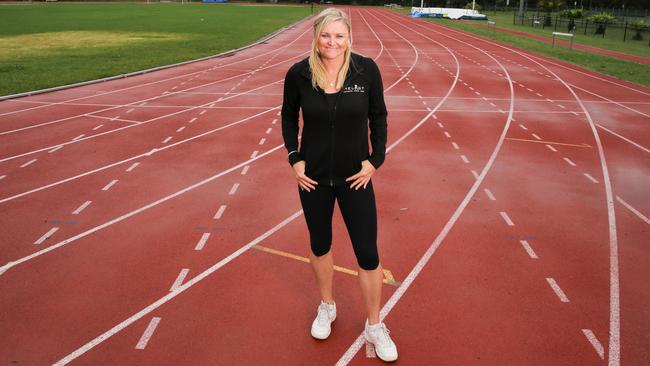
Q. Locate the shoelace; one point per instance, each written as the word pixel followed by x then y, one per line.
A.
pixel 383 335
pixel 323 314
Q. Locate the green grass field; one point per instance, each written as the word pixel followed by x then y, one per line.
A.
pixel 46 45
pixel 616 67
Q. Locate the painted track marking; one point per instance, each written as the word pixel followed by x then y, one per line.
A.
pixel 556 288
pixel 109 185
pixel 146 336
pixel 598 347
pixel 202 241
pixel 219 212
pixel 594 180
pixel 133 166
pixel 506 218
pixel 45 236
pixel 179 279
pixel 528 249
pixel 489 194
pixel 633 210
pixel 81 208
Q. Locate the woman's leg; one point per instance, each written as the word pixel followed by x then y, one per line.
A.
pixel 371 282
pixel 318 207
pixel 323 267
pixel 360 216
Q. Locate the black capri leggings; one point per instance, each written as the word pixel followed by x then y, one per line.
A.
pixel 359 213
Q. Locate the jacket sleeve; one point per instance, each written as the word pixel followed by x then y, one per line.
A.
pixel 377 116
pixel 290 109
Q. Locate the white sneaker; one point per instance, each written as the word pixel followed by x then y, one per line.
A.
pixel 322 325
pixel 378 335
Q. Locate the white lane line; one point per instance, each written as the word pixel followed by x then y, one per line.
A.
pixel 202 241
pixel 46 236
pixel 233 190
pixel 55 149
pixel 447 134
pixel 166 140
pixel 29 163
pixel 78 137
pixel 523 127
pixel 180 129
pixel 634 211
pixel 268 130
pixel 539 95
pixel 98 127
pixel 2 177
pixel 625 139
pixel 133 166
pixel 561 106
pixel 192 120
pixel 130 110
pixel 551 148
pixel 470 88
pixel 455 145
pixel 489 194
pixel 109 185
pixel 220 211
pixel 477 93
pixel 529 250
pixel 262 141
pixel 506 218
pixel 203 111
pixel 142 343
pixel 502 111
pixel 598 347
pixel 569 161
pixel 245 170
pixel 81 208
pixel 536 137
pixel 370 350
pixel 254 154
pixel 475 174
pixel 556 288
pixel 529 89
pixel 275 120
pixel 493 105
pixel 179 280
pixel 574 113
pixel 170 295
pixel 590 178
pixel 464 159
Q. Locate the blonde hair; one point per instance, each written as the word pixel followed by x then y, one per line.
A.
pixel 318 72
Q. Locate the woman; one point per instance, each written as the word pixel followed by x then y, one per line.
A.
pixel 341 95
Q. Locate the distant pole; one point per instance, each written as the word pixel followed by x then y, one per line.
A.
pixel 521 8
pixel 473 4
pixel 421 3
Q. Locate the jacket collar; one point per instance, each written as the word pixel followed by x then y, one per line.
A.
pixel 355 67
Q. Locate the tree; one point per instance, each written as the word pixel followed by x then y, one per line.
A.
pixel 572 15
pixel 549 6
pixel 639 26
pixel 602 19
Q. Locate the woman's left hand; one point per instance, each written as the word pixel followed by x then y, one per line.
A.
pixel 362 178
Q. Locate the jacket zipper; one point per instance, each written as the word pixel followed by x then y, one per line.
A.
pixel 332 119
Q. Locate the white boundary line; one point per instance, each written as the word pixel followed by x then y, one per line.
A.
pixel 392 301
pixel 625 139
pixel 142 343
pixel 598 347
pixel 633 210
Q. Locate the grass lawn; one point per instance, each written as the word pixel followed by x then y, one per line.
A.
pixel 46 45
pixel 616 67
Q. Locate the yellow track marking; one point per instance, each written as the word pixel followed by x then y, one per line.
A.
pixel 549 142
pixel 388 275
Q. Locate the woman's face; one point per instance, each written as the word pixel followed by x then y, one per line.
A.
pixel 333 40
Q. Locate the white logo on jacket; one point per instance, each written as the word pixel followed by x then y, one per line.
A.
pixel 354 89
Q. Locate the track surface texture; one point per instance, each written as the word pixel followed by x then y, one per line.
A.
pixel 154 219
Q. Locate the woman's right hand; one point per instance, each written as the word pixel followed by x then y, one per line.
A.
pixel 304 182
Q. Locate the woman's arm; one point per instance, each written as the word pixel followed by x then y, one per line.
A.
pixel 290 109
pixel 377 116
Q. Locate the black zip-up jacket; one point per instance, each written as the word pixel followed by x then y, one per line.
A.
pixel 333 146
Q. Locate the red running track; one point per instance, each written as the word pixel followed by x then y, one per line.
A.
pixel 154 219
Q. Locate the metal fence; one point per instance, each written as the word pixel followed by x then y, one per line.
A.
pixel 621 29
